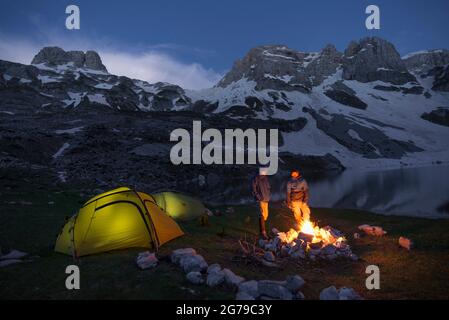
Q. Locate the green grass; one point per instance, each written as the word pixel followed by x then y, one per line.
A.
pixel 420 274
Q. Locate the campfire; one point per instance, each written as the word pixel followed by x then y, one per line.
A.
pixel 309 241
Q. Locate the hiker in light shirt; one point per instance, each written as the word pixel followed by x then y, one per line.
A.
pixel 298 196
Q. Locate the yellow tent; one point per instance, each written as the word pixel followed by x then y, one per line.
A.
pixel 118 219
pixel 179 206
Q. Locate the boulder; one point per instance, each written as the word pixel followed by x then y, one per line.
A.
pixel 294 283
pixel 176 255
pixel 232 279
pixel 274 289
pixel 193 263
pixel 250 287
pixel 195 277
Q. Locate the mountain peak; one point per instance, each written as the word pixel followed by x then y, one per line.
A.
pixel 55 56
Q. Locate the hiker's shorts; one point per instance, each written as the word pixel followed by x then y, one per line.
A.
pixel 263 210
pixel 300 210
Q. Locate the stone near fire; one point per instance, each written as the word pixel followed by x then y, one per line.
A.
pixel 274 289
pixel 275 231
pixel 191 263
pixel 331 257
pixel 195 277
pixel 285 251
pixel 179 253
pixel 329 293
pixel 232 279
pixel 294 283
pixel 270 247
pixel 215 278
pixel 262 243
pixel 299 254
pixel 269 256
pixel 250 287
pixel 406 243
pixel 329 249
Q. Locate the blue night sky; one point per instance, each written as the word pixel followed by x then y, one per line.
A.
pixel 210 35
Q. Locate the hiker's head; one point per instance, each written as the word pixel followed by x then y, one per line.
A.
pixel 295 174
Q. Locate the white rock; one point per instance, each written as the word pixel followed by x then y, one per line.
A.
pixel 294 283
pixel 215 278
pixel 193 263
pixel 13 255
pixel 329 293
pixel 250 287
pixel 232 279
pixel 274 289
pixel 348 294
pixel 179 253
pixel 213 267
pixel 146 260
pixel 241 295
pixel 195 277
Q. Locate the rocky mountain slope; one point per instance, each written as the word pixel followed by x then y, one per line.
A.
pixel 365 106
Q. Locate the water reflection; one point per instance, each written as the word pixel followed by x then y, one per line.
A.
pixel 420 192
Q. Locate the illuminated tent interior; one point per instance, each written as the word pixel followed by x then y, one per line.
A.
pixel 118 219
pixel 179 206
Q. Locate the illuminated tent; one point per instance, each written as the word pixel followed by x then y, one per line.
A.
pixel 118 219
pixel 179 206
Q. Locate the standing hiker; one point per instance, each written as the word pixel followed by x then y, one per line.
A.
pixel 262 194
pixel 298 196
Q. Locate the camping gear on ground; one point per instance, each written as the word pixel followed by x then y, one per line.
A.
pixel 118 219
pixel 179 206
